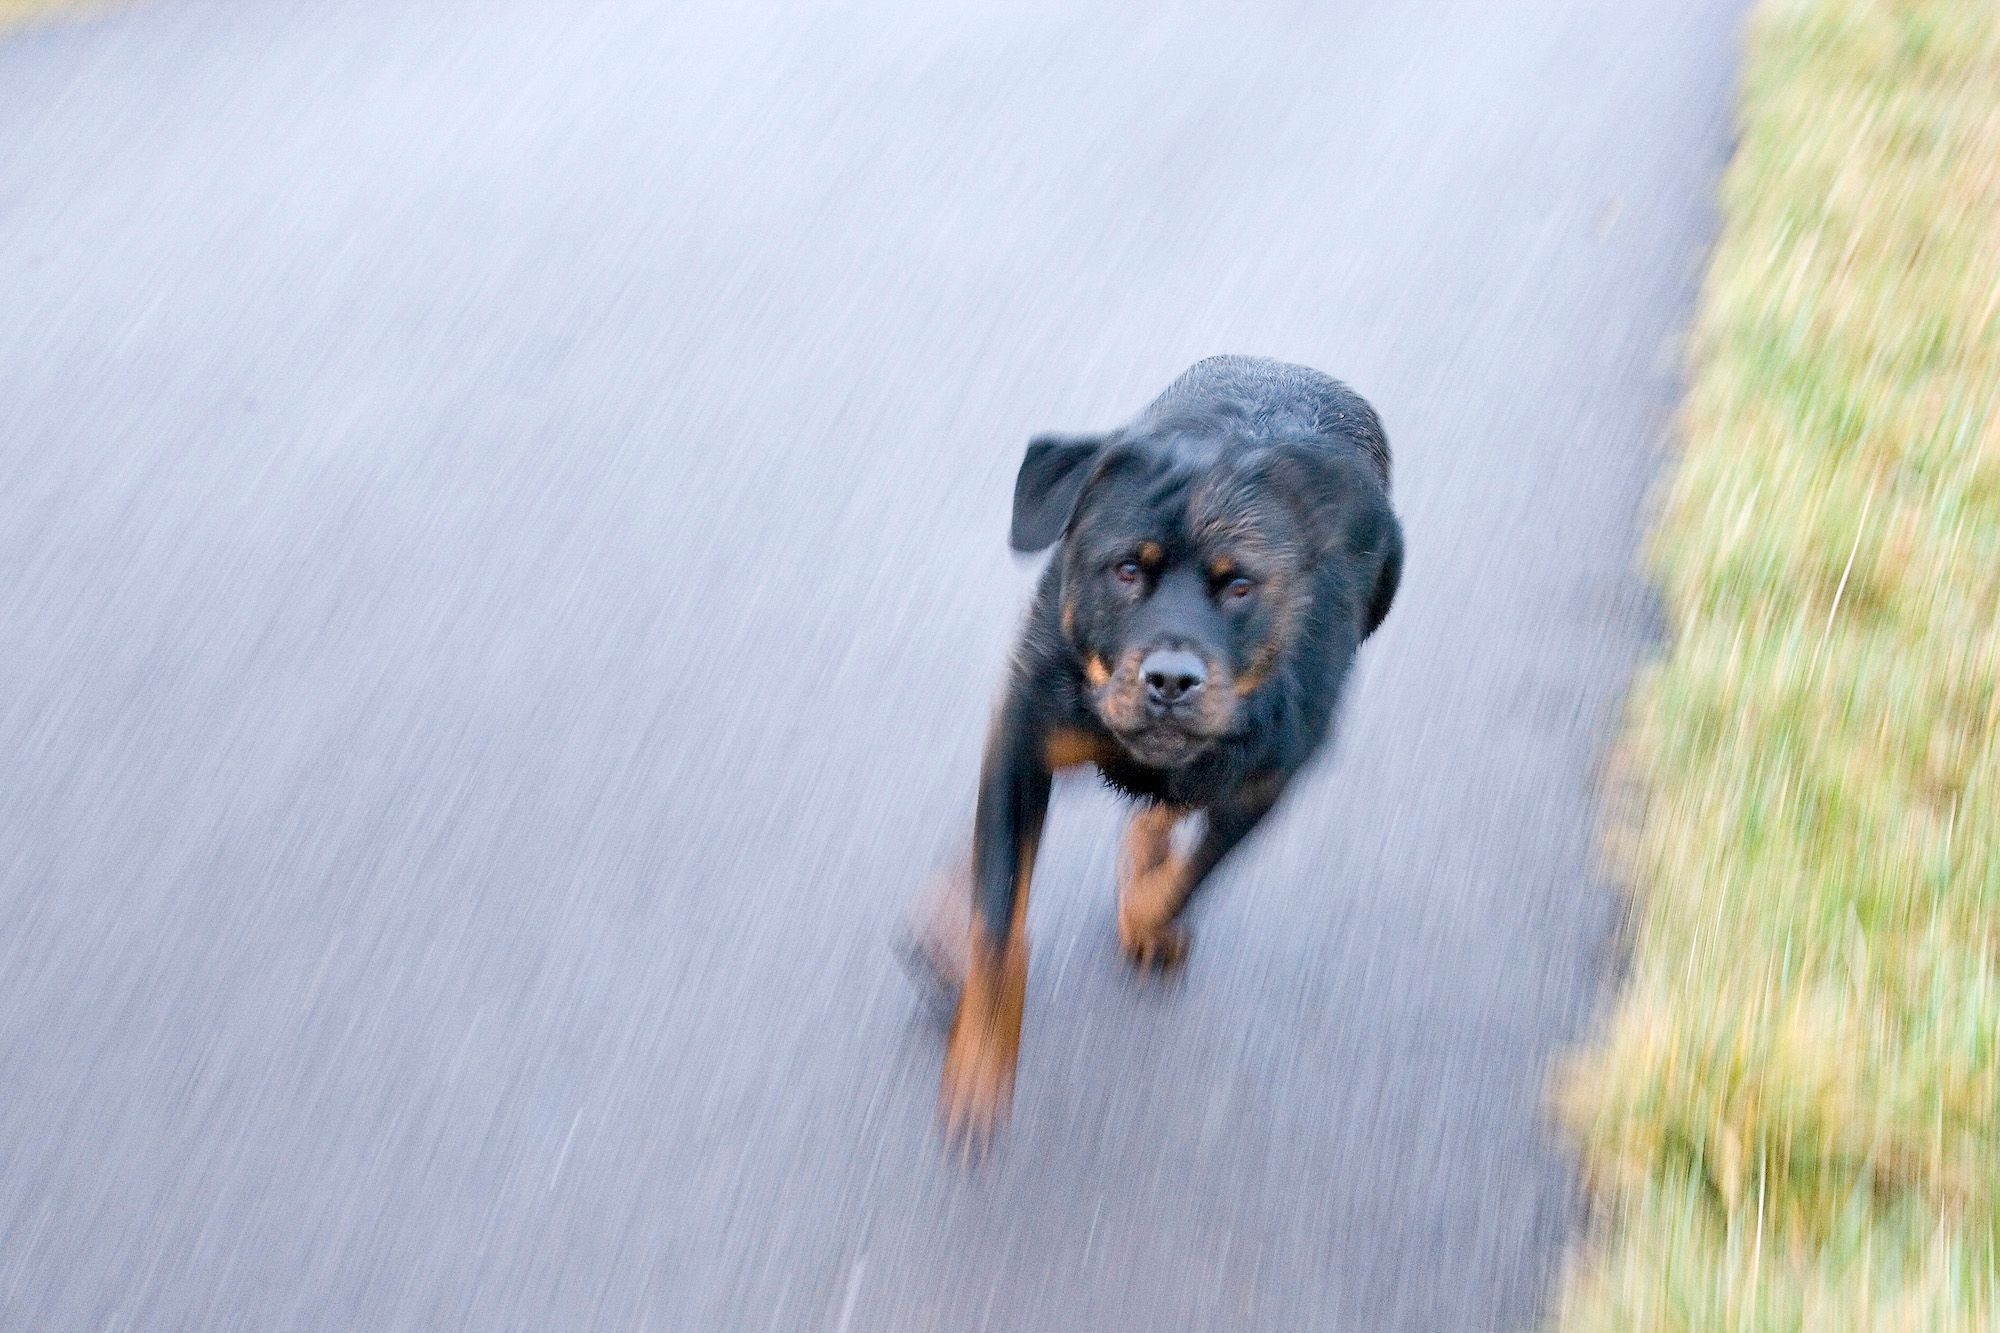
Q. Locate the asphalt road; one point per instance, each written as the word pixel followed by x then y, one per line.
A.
pixel 502 572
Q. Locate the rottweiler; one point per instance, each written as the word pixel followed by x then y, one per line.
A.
pixel 1219 561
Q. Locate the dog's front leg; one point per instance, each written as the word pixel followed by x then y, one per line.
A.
pixel 1155 886
pixel 985 1042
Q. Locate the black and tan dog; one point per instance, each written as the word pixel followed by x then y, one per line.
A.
pixel 1221 559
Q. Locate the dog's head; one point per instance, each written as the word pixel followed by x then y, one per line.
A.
pixel 1191 567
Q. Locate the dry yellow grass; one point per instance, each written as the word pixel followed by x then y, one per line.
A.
pixel 1794 1119
pixel 19 13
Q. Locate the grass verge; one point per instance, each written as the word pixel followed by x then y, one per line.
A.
pixel 19 13
pixel 1794 1119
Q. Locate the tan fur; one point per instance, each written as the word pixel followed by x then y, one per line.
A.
pixel 984 1048
pixel 1068 747
pixel 1153 884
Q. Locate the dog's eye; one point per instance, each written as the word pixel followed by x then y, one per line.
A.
pixel 1127 571
pixel 1237 589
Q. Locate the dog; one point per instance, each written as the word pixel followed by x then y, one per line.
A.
pixel 1219 561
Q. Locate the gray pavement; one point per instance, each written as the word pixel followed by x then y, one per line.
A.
pixel 502 571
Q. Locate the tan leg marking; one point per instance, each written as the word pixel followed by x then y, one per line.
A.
pixel 1152 886
pixel 985 1044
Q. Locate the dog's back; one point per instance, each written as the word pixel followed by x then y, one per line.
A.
pixel 1268 399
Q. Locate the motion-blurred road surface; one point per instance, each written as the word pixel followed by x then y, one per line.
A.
pixel 502 574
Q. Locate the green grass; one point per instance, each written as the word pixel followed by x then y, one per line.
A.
pixel 1794 1119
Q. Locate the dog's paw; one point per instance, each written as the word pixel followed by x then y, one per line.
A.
pixel 1150 894
pixel 1154 947
pixel 978 1091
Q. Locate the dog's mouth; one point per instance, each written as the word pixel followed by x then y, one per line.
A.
pixel 1163 743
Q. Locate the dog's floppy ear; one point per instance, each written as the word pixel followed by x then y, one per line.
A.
pixel 1052 476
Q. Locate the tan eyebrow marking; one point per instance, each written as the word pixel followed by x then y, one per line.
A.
pixel 1151 553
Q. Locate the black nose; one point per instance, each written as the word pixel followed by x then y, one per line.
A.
pixel 1172 675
